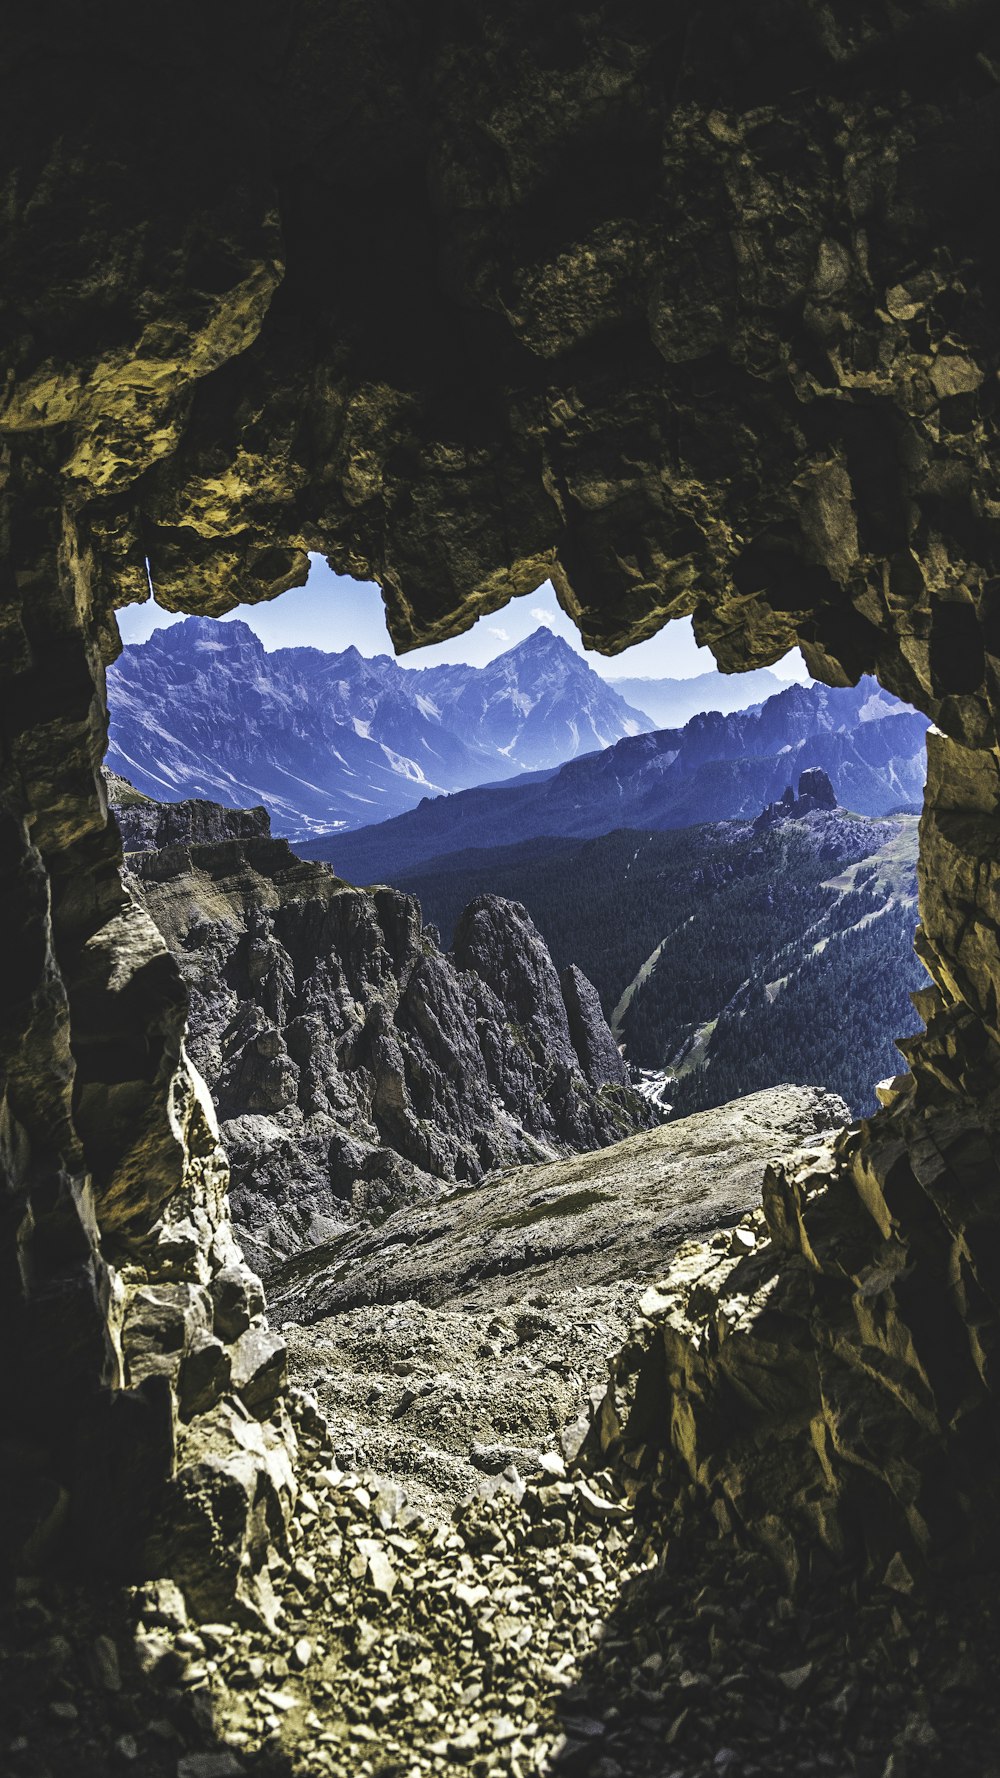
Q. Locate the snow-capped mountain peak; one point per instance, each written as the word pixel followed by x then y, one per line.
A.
pixel 333 741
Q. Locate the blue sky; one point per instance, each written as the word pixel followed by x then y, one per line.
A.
pixel 332 612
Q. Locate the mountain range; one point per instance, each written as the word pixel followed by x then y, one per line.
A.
pixel 717 767
pixel 729 956
pixel 331 742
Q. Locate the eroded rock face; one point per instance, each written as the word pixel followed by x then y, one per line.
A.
pixel 815 792
pixel 696 315
pixel 354 1066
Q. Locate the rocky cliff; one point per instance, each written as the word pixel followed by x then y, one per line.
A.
pixel 353 1064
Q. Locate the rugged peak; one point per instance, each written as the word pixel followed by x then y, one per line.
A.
pixel 815 792
pixel 815 784
pixel 198 634
pixel 561 1018
pixel 499 941
pixel 546 641
pixel 599 1055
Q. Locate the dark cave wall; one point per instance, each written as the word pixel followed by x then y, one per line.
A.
pixel 691 307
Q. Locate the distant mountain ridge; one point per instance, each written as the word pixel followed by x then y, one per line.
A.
pixel 672 702
pixel 715 768
pixel 329 742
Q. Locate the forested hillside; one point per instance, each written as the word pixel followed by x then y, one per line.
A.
pixel 729 958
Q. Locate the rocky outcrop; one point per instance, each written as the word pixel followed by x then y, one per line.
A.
pixel 815 792
pixel 589 1031
pixel 148 826
pixel 145 1419
pixel 354 1065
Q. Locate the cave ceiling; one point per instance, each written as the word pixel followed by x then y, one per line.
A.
pixel 689 307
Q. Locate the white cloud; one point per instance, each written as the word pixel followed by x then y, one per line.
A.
pixel 495 630
pixel 541 616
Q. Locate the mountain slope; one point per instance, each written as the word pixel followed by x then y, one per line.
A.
pixel 715 768
pixel 730 956
pixel 329 742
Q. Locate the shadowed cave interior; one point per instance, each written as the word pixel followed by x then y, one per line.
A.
pixel 693 310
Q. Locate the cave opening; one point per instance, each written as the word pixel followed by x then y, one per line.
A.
pixel 346 289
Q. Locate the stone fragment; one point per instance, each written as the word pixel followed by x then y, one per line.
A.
pixel 381 1572
pixel 388 1504
pixel 104 1666
pixel 209 1765
pixel 651 1303
pixel 597 1505
pixel 897 1575
pixel 952 374
pixel 204 1376
pixel 162 1602
pixel 237 1300
pixel 152 1650
pixel 258 1367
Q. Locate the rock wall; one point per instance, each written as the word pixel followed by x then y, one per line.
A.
pixel 144 1427
pixel 693 310
pixel 354 1065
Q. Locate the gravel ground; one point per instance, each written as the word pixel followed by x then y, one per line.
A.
pixel 467 1336
pixel 553 1635
pixel 547 1626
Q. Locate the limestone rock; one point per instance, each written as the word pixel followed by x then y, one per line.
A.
pixel 815 793
pixel 815 784
pixel 591 1037
pixel 355 1066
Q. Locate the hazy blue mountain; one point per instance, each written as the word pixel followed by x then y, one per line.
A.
pixel 672 702
pixel 714 768
pixel 536 705
pixel 330 742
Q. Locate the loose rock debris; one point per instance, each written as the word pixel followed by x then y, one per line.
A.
pixel 546 1634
